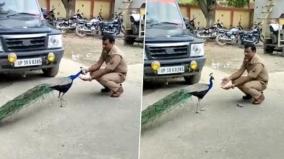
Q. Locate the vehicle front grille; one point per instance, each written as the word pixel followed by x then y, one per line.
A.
pixel 168 52
pixel 25 44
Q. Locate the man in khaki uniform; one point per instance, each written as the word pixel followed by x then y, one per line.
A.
pixel 256 80
pixel 114 73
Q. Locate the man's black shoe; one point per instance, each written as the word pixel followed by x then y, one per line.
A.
pixel 105 90
pixel 247 97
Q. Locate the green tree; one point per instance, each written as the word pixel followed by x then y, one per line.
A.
pixel 208 8
pixel 238 3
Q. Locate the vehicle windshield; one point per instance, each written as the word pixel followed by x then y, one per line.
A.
pixel 19 7
pixel 163 12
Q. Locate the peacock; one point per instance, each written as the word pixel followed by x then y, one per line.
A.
pixel 201 92
pixel 62 85
pixel 169 102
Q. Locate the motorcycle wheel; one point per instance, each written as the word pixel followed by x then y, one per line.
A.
pixel 219 40
pixel 135 29
pixel 79 32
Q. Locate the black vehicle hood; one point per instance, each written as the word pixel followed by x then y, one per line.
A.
pixel 25 25
pixel 168 35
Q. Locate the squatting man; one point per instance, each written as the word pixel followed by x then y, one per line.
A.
pixel 255 82
pixel 114 73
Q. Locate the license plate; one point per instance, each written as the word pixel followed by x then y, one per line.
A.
pixel 28 62
pixel 171 70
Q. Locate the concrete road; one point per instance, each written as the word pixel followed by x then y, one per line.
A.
pixel 223 130
pixel 91 125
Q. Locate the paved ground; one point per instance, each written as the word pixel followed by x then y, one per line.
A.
pixel 223 131
pixel 90 125
pixel 87 50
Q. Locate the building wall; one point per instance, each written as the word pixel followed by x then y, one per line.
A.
pixel 241 17
pixel 228 16
pixel 104 7
pixel 276 11
pixel 184 11
pixel 199 17
pixel 43 3
pixel 89 8
pixel 119 5
pixel 59 8
pixel 223 16
pixel 83 7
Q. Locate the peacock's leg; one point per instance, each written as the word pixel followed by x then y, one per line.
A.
pixel 62 100
pixel 197 106
pixel 202 107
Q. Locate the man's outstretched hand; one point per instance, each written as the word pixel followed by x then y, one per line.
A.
pixel 227 83
pixel 86 77
pixel 85 71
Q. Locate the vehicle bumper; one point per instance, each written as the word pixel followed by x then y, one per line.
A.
pixel 149 74
pixel 6 67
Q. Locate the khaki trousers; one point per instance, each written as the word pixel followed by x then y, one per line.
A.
pixel 253 88
pixel 112 80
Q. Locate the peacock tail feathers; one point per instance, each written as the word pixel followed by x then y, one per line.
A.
pixel 167 103
pixel 24 99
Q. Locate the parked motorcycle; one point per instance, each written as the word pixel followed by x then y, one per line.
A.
pixel 253 36
pixel 211 32
pixel 228 36
pixel 71 23
pixel 113 27
pixel 91 27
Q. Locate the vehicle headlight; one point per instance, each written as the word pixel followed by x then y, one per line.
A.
pixel 55 41
pixel 1 48
pixel 197 49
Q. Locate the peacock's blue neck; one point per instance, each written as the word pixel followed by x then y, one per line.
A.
pixel 72 77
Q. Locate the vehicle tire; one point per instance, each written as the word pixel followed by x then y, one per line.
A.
pixel 129 40
pixel 219 41
pixel 51 72
pixel 135 29
pixel 79 32
pixel 274 39
pixel 268 49
pixel 192 79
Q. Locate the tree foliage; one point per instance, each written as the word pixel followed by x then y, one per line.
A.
pixel 238 3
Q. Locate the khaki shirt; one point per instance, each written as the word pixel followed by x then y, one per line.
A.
pixel 256 71
pixel 114 59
